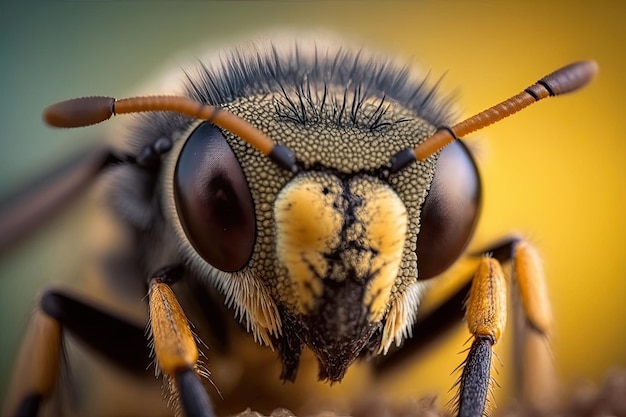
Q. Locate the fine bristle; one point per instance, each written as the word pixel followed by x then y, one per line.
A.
pixel 303 74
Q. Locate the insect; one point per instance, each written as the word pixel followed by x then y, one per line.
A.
pixel 306 197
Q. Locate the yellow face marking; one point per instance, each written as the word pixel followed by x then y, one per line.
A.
pixel 384 219
pixel 327 230
pixel 307 226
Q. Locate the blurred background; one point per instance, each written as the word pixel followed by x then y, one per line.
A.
pixel 555 172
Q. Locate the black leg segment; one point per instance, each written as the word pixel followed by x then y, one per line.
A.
pixel 475 379
pixel 116 339
pixel 192 395
pixel 30 406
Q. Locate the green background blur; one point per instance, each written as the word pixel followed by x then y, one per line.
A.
pixel 556 172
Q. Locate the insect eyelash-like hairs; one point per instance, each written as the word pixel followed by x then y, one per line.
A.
pixel 305 75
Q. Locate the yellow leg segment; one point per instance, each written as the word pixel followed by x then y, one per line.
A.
pixel 537 381
pixel 37 368
pixel 176 350
pixel 531 284
pixel 486 319
pixel 486 305
pixel 174 345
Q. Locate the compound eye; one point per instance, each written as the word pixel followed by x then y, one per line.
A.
pixel 213 200
pixel 450 211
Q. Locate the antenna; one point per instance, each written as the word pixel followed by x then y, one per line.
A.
pixel 86 111
pixel 567 79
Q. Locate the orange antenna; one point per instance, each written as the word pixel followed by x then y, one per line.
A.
pixel 567 79
pixel 86 111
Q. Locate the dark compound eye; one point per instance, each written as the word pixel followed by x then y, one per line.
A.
pixel 213 200
pixel 450 212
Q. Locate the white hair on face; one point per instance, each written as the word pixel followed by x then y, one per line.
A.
pixel 401 316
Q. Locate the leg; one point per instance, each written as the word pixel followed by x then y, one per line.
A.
pixel 486 317
pixel 536 380
pixel 115 338
pixel 37 369
pixel 443 319
pixel 532 326
pixel 40 360
pixel 123 343
pixel 175 347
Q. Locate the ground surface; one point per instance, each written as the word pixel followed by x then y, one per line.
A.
pixel 582 400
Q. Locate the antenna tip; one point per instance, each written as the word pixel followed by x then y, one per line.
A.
pixel 79 112
pixel 593 65
pixel 570 78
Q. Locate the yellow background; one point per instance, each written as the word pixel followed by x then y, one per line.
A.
pixel 556 172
